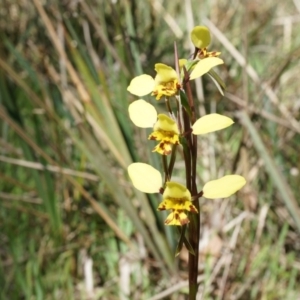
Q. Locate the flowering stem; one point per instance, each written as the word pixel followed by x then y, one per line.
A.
pixel 194 226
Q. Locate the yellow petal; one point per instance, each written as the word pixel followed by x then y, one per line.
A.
pixel 145 178
pixel 182 62
pixel 141 85
pixel 165 123
pixel 223 187
pixel 177 218
pixel 204 65
pixel 142 114
pixel 177 205
pixel 163 148
pixel 176 190
pixel 164 74
pixel 200 36
pixel 211 123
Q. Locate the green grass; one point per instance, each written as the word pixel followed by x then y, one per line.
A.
pixel 64 71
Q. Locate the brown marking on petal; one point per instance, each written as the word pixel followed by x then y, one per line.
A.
pixel 167 152
pixel 200 52
pixel 193 209
pixel 203 53
pixel 163 148
pixel 184 221
pixel 162 207
pixel 152 138
pixel 167 221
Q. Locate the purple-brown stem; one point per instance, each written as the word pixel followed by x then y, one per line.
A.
pixel 194 226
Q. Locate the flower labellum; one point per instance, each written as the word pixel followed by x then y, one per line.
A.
pixel 178 198
pixel 166 81
pixel 165 131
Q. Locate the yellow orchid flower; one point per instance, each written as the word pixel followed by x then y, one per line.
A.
pixel 165 129
pixel 165 83
pixel 200 37
pixel 177 197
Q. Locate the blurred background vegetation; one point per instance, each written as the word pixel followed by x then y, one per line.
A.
pixel 71 224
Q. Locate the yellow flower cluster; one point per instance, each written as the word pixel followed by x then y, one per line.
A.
pixel 167 83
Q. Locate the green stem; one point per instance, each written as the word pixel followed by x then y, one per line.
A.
pixel 183 240
pixel 172 160
pixel 169 106
pixel 178 106
pixel 165 165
